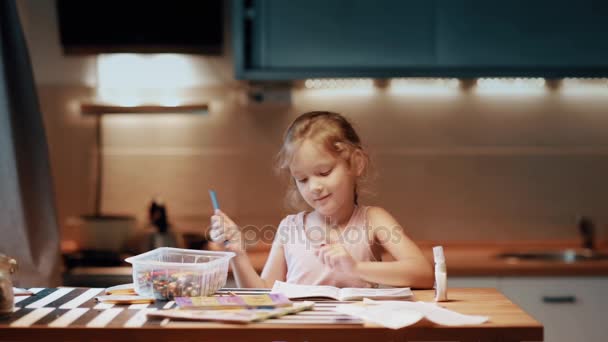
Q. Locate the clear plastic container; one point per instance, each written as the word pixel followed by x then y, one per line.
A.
pixel 166 272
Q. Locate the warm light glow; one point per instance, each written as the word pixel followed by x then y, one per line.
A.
pixel 170 101
pixel 424 86
pixel 510 86
pixel 132 79
pixel 128 101
pixel 159 71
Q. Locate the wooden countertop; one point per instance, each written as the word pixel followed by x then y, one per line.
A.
pixel 479 258
pixel 84 321
pixel 464 259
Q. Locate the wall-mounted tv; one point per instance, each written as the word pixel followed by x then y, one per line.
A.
pixel 142 26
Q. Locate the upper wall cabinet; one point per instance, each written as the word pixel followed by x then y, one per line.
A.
pixel 550 38
pixel 296 39
pixel 280 39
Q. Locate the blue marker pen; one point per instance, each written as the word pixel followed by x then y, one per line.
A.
pixel 216 206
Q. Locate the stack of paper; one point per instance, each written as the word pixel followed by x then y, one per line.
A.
pixel 399 314
pixel 232 315
pixel 123 294
pixel 271 300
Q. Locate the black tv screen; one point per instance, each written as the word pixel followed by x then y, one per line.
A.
pixel 143 26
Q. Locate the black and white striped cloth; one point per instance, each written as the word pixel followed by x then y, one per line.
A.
pixel 71 307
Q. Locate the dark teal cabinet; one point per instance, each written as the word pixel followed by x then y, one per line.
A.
pixel 318 38
pixel 529 37
pixel 296 39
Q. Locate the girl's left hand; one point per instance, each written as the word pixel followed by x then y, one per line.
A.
pixel 336 257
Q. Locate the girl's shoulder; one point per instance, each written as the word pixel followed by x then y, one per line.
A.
pixel 289 225
pixel 292 220
pixel 379 217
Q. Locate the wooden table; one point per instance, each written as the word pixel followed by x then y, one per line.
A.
pixel 64 314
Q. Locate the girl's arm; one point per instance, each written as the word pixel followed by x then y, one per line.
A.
pixel 410 267
pixel 274 269
pixel 228 235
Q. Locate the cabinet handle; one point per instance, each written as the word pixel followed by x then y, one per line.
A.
pixel 568 299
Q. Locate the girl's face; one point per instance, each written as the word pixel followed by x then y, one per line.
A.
pixel 325 182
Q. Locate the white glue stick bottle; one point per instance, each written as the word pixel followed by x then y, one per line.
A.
pixel 441 276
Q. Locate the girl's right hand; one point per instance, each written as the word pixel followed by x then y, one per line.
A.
pixel 226 233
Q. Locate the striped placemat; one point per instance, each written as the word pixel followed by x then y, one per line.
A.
pixel 72 307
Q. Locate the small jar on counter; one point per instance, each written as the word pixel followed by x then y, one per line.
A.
pixel 7 267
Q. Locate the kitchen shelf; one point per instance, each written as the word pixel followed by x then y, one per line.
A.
pixel 101 109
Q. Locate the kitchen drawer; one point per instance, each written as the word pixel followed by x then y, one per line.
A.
pixel 570 308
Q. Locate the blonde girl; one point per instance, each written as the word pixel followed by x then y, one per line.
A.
pixel 336 241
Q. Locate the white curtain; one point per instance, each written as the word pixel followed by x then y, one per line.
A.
pixel 28 223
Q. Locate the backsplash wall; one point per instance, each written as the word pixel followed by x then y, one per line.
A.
pixel 463 167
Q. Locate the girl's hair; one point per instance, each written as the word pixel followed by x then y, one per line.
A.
pixel 328 129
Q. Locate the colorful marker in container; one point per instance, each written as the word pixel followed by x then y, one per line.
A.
pixel 216 207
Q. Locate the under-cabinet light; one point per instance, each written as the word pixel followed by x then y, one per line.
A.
pixel 424 86
pixel 339 83
pixel 510 86
pixel 584 86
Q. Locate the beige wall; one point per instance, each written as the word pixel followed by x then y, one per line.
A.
pixel 458 166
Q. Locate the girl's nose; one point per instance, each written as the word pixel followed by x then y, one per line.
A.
pixel 315 186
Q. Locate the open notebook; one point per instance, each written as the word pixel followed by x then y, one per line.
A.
pixel 294 291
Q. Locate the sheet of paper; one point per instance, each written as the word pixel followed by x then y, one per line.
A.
pixel 21 292
pixel 436 313
pixel 399 314
pixel 304 291
pixel 392 317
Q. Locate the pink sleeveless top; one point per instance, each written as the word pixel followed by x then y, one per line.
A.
pixel 300 243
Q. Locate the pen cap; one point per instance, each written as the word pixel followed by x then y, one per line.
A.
pixel 438 254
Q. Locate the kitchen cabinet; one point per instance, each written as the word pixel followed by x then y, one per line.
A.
pixel 318 38
pixel 539 37
pixel 570 308
pixel 285 40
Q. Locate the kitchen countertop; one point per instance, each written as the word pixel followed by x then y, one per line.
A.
pixel 480 259
pixel 463 259
pixel 477 258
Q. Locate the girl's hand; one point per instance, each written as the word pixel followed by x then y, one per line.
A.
pixel 226 233
pixel 336 257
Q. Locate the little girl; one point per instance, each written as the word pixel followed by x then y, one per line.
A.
pixel 339 242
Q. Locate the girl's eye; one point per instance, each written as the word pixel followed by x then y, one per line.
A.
pixel 303 180
pixel 326 173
